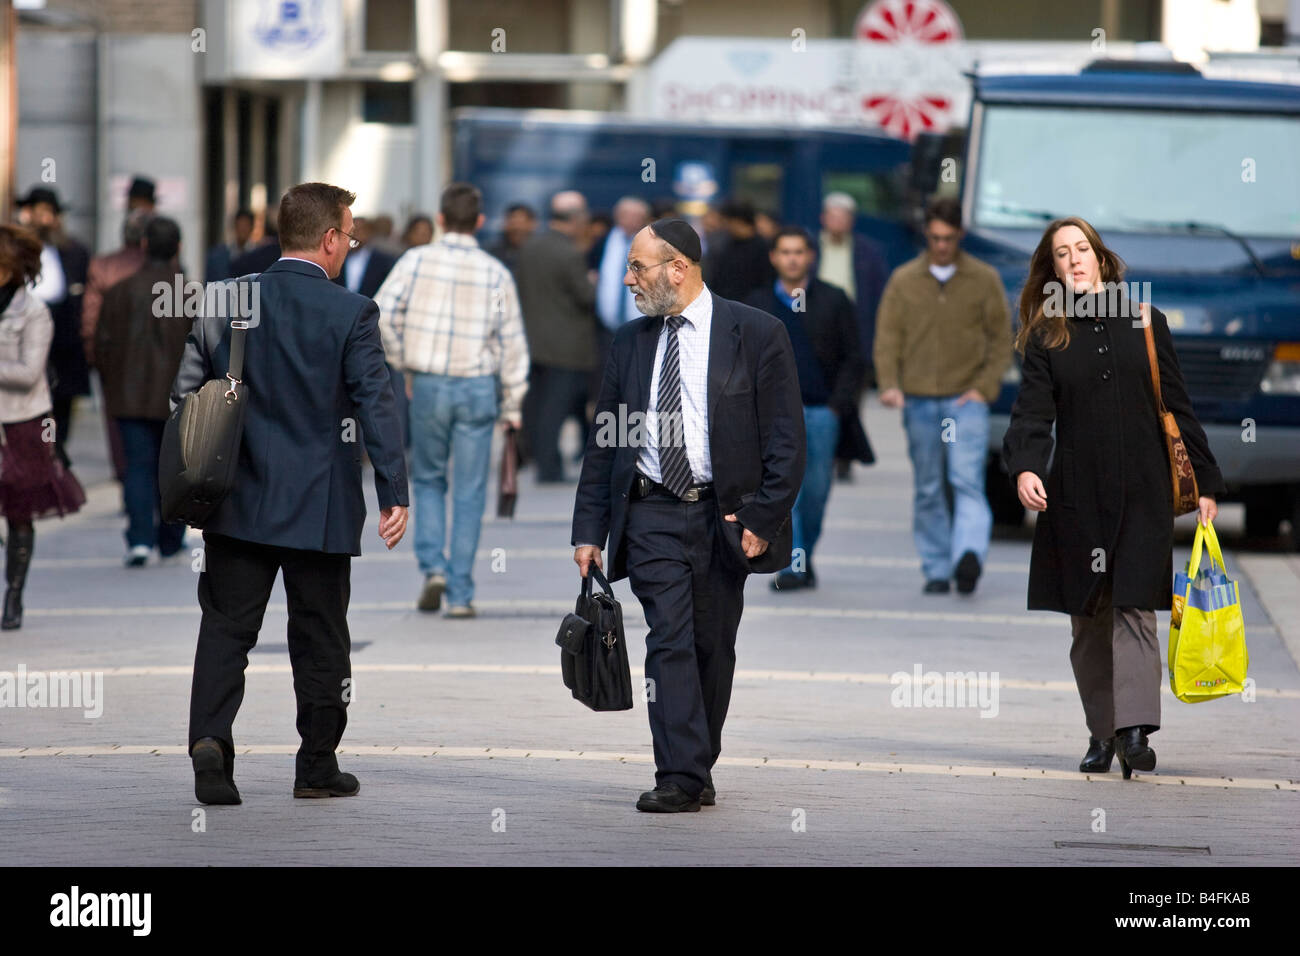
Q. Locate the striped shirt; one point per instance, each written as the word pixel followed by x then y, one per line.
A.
pixel 449 308
pixel 693 360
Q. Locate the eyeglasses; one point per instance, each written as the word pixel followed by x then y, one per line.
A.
pixel 637 269
pixel 353 241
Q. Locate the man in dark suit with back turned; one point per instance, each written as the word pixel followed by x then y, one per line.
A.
pixel 703 501
pixel 317 384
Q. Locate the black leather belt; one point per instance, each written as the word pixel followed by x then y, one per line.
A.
pixel 644 487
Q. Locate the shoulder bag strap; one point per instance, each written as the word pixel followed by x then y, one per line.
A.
pixel 238 329
pixel 1152 361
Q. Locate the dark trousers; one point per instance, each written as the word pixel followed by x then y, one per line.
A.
pixel 233 590
pixel 693 600
pixel 62 426
pixel 553 395
pixel 141 443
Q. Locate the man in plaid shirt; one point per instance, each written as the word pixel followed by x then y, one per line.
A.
pixel 450 318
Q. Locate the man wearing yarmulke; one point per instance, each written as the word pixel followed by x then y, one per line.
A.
pixel 692 466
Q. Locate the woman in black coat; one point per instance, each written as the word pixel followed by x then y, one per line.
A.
pixel 1103 545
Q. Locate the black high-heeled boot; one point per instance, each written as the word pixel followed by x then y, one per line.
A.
pixel 1134 754
pixel 18 558
pixel 1099 756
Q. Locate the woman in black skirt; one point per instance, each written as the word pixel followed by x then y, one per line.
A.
pixel 1103 544
pixel 33 482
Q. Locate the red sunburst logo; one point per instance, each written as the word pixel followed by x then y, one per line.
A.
pixel 914 26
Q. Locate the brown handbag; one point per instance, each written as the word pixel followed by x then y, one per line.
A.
pixel 508 489
pixel 1186 494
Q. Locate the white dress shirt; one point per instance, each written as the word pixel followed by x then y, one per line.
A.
pixel 354 268
pixel 52 286
pixel 693 359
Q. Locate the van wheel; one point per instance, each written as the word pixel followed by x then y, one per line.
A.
pixel 1005 504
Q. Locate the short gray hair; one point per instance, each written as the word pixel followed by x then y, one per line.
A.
pixel 840 200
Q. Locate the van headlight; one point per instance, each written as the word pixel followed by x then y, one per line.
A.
pixel 1282 377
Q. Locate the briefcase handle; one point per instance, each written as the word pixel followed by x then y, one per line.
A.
pixel 595 572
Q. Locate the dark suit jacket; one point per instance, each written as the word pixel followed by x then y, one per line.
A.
pixel 756 434
pixel 558 302
pixel 870 273
pixel 313 364
pixel 71 374
pixel 376 271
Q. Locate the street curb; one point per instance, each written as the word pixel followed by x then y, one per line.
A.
pixel 1276 580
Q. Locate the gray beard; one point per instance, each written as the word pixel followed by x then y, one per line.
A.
pixel 657 300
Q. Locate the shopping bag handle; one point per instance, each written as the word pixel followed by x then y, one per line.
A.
pixel 1205 534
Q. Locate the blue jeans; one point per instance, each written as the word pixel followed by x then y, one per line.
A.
pixel 949 445
pixel 822 426
pixel 451 433
pixel 141 442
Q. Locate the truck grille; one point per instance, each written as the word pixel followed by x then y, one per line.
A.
pixel 1212 377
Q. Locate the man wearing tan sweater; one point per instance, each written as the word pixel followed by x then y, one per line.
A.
pixel 943 340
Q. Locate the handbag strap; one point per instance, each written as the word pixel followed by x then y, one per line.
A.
pixel 1152 361
pixel 1205 536
pixel 238 329
pixel 594 573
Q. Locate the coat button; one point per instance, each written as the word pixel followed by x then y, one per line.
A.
pixel 1103 349
pixel 1098 327
pixel 1105 376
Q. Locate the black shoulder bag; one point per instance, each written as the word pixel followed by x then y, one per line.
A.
pixel 200 443
pixel 593 652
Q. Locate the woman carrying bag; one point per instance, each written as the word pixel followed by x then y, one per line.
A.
pixel 33 481
pixel 1103 545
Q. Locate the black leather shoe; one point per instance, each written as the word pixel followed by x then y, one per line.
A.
pixel 1134 754
pixel 214 781
pixel 340 785
pixel 667 798
pixel 967 572
pixel 708 796
pixel 788 580
pixel 1099 756
pixel 937 586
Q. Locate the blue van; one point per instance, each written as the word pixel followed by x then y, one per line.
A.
pixel 1195 183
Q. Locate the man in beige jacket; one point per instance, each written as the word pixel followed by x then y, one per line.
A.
pixel 943 340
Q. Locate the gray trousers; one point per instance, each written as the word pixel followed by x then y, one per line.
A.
pixel 1116 661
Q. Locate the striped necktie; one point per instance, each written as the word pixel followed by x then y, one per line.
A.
pixel 674 467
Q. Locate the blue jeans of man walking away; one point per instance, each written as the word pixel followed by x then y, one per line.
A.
pixel 822 427
pixel 451 436
pixel 948 444
pixel 141 443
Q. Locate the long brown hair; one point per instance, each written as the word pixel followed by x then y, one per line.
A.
pixel 1053 332
pixel 20 254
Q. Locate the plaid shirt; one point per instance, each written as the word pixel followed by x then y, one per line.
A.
pixel 449 308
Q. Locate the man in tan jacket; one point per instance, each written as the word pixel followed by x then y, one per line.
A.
pixel 943 340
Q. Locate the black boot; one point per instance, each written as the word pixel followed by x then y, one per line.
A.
pixel 1100 754
pixel 1134 754
pixel 18 558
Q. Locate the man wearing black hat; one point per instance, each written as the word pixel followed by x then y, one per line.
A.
pixel 64 264
pixel 692 467
pixel 142 195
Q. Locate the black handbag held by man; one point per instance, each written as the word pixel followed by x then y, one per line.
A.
pixel 200 444
pixel 593 651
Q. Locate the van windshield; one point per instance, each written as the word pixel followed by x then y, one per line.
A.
pixel 1128 169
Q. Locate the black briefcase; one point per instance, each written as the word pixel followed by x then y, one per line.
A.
pixel 199 452
pixel 593 652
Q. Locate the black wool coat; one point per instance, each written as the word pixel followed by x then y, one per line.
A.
pixel 1109 496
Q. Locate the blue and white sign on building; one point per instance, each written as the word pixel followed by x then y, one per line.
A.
pixel 285 39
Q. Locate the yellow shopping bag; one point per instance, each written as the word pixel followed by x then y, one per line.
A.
pixel 1207 634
